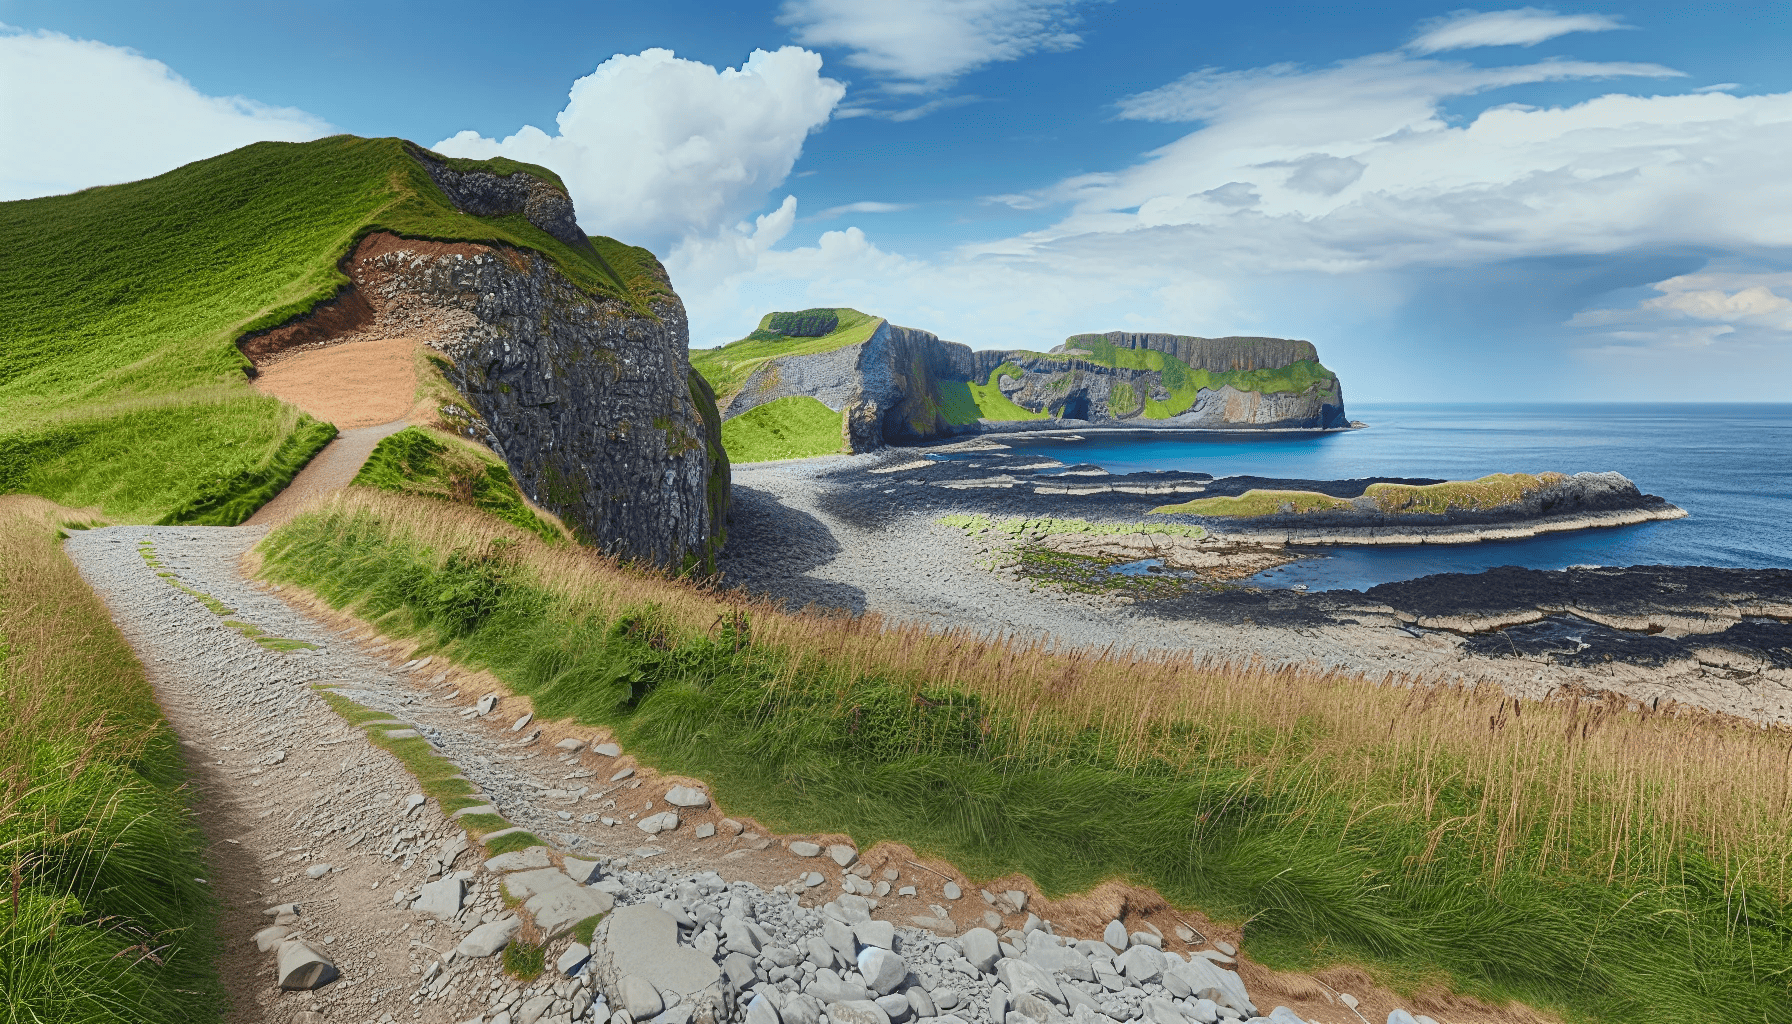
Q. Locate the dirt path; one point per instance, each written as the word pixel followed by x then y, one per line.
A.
pixel 329 470
pixel 358 384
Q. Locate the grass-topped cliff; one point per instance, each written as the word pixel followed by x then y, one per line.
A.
pixel 1184 382
pixel 727 367
pixel 120 380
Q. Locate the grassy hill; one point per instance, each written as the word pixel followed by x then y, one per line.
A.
pixel 1184 383
pixel 126 299
pixel 796 427
pixel 728 367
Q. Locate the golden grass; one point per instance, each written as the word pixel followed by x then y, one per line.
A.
pixel 1495 491
pixel 1256 502
pixel 1584 781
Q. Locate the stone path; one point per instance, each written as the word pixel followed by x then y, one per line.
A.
pixel 329 470
pixel 348 896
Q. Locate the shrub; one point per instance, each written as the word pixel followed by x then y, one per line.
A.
pixel 809 323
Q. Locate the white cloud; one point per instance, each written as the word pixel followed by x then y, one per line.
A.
pixel 656 149
pixel 863 207
pixel 1526 26
pixel 925 45
pixel 79 113
pixel 1696 310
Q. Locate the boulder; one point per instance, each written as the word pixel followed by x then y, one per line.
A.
pixel 981 948
pixel 642 941
pixel 1116 936
pixel 687 796
pixel 857 1011
pixel 519 860
pixel 440 899
pixel 875 933
pixel 574 959
pixel 638 997
pixel 883 970
pixel 1021 977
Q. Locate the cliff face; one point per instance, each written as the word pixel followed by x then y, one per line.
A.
pixel 903 385
pixel 591 403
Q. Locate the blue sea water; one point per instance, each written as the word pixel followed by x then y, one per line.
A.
pixel 1729 466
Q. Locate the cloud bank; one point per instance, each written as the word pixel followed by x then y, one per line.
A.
pixel 80 113
pixel 663 151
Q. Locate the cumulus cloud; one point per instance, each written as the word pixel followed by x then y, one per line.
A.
pixel 1697 311
pixel 923 46
pixel 658 150
pixel 1526 26
pixel 80 113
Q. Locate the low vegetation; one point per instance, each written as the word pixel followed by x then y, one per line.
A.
pixel 105 913
pixel 1024 529
pixel 1184 383
pixel 795 427
pixel 120 381
pixel 418 460
pixel 1610 862
pixel 990 403
pixel 728 366
pixel 1489 492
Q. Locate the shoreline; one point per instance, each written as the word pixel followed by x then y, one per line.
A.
pixel 1393 536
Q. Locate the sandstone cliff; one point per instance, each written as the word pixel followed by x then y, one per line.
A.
pixel 590 400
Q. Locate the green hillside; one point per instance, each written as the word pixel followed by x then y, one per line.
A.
pixel 795 427
pixel 1185 383
pixel 728 366
pixel 127 295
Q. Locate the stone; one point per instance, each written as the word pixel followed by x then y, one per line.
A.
pixel 1021 976
pixel 519 860
pixel 1162 1011
pixel 268 939
pixel 528 717
pixel 882 969
pixel 607 750
pixel 1177 986
pixel 412 802
pixel 283 908
pixel 623 774
pixel 731 827
pixel 1283 1015
pixel 581 871
pixel 481 809
pixel 1115 936
pixel 843 854
pixel 1187 934
pixel 1031 1006
pixel 1213 982
pixel 1400 1016
pixel 1201 1011
pixel 1151 939
pixel 896 1005
pixel 489 937
pixel 803 849
pixel 1141 965
pixel 1225 947
pixel 852 909
pixel 570 744
pixel 801 1010
pixel 446 854
pixel 301 967
pixel 1049 957
pixel 687 796
pixel 642 940
pixel 937 925
pixel 839 937
pixel 557 909
pixel 875 933
pixel 992 920
pixel 317 871
pixel 920 1001
pixel 706 830
pixel 487 703
pixel 402 734
pixel 574 959
pixel 952 891
pixel 639 998
pixel 440 899
pixel 532 1009
pixel 653 824
pixel 761 1011
pixel 819 953
pixel 1075 997
pixel 981 947
pixel 1016 899
pixel 857 1011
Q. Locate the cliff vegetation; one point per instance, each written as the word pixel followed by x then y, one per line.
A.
pixel 727 367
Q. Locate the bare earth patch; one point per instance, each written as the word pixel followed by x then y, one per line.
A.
pixel 358 384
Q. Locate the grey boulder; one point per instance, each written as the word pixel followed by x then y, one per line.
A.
pixel 642 941
pixel 638 998
pixel 440 899
pixel 490 937
pixel 302 968
pixel 882 969
pixel 981 948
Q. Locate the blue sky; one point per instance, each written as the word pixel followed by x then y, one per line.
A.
pixel 1579 202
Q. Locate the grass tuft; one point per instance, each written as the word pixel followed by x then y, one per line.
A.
pixel 525 961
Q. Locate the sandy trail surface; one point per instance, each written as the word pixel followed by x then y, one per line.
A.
pixel 357 384
pixel 799 536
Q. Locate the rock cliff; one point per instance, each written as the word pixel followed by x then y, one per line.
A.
pixel 589 400
pixel 904 385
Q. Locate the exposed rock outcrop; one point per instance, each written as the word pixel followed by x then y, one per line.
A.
pixel 590 401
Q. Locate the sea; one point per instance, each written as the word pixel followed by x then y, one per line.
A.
pixel 1729 466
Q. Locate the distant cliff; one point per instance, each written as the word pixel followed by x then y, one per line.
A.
pixel 891 384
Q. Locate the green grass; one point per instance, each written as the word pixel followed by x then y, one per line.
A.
pixel 1018 528
pixel 727 367
pixel 121 305
pixel 525 961
pixel 1185 383
pixel 993 405
pixel 796 427
pixel 1259 503
pixel 104 911
pixel 1122 400
pixel 437 777
pixel 429 462
pixel 1585 859
pixel 1489 492
pixel 253 632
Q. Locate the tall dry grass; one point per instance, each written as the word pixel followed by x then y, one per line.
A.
pixel 1582 782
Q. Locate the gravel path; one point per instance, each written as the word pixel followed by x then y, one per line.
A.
pixel 329 470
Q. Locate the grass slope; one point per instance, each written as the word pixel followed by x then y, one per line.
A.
pixel 796 427
pixel 138 292
pixel 728 366
pixel 421 461
pixel 104 916
pixel 1612 864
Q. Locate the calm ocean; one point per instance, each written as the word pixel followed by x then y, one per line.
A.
pixel 1730 466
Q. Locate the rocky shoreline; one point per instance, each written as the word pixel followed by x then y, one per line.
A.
pixel 865 534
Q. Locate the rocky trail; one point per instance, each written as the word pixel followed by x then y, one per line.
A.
pixel 349 897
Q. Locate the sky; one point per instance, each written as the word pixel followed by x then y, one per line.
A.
pixel 1580 202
